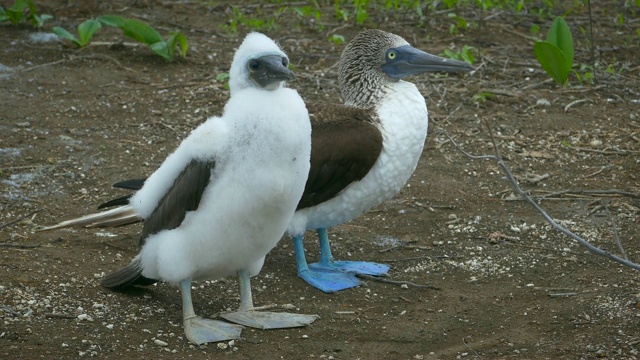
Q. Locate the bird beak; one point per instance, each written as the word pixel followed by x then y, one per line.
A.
pixel 270 72
pixel 411 61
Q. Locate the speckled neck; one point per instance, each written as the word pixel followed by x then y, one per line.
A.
pixel 362 81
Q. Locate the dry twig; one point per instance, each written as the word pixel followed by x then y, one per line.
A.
pixel 19 219
pixel 19 246
pixel 400 283
pixel 516 188
pixel 591 192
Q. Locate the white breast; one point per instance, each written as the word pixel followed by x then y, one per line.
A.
pixel 258 179
pixel 403 122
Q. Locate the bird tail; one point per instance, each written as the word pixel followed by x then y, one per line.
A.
pixel 123 200
pixel 119 216
pixel 127 277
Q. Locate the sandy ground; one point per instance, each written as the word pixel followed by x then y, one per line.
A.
pixel 478 273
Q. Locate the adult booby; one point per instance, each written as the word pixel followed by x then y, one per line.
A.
pixel 363 152
pixel 224 198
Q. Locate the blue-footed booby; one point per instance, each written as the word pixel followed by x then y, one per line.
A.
pixel 219 203
pixel 363 151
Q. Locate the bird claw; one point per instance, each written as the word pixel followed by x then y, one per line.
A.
pixel 269 320
pixel 200 331
pixel 330 281
pixel 354 267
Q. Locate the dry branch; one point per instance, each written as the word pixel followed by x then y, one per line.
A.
pixel 19 219
pixel 516 188
pixel 400 283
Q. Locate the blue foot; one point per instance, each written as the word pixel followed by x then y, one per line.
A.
pixel 354 267
pixel 329 281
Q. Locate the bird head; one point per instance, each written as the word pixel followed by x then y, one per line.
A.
pixel 375 57
pixel 259 62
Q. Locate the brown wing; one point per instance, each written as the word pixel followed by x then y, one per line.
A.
pixel 134 184
pixel 183 196
pixel 345 144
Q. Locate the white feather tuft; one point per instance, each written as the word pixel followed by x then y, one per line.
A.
pixel 254 45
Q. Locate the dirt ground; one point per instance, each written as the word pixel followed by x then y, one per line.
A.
pixel 502 283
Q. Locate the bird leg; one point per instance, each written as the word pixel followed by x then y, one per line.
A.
pixel 248 316
pixel 355 267
pixel 199 330
pixel 328 281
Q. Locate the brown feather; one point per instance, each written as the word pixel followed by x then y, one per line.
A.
pixel 183 196
pixel 345 144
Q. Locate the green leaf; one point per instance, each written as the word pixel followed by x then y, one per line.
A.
pixel 112 20
pixel 451 55
pixel 467 55
pixel 40 19
pixel 361 16
pixel 177 39
pixel 3 15
pixel 336 39
pixel 183 45
pixel 552 60
pixel 560 36
pixel 20 5
pixel 171 45
pixel 14 16
pixel 161 49
pixel 86 31
pixel 141 32
pixel 63 33
pixel 145 34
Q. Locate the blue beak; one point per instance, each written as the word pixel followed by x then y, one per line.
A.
pixel 408 60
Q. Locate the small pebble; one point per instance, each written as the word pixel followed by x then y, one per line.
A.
pixel 85 317
pixel 160 342
pixel 543 102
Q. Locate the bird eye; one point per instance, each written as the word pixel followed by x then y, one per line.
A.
pixel 254 65
pixel 285 62
pixel 391 55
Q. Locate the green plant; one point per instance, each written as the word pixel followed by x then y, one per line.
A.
pixel 534 30
pixel 555 54
pixel 336 39
pixel 85 32
pixel 482 97
pixel 303 12
pixel 585 74
pixel 340 13
pixel 307 11
pixel 360 11
pixel 460 23
pixel 255 23
pixel 463 55
pixel 145 34
pixel 223 77
pixel 23 11
pixel 404 4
